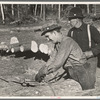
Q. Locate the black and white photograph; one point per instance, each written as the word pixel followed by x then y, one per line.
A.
pixel 50 49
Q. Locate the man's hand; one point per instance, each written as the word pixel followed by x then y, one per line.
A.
pixel 88 54
pixel 45 71
pixel 51 70
pixel 41 74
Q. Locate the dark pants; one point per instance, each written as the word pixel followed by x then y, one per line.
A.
pixel 98 63
pixel 85 75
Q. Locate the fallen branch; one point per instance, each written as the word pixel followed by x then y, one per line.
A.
pixel 16 21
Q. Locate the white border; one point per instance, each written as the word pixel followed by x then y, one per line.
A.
pixel 53 97
pixel 34 2
pixel 50 97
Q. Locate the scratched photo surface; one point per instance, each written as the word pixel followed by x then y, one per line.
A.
pixel 23 51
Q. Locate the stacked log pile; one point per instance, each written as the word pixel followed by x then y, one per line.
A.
pixel 22 43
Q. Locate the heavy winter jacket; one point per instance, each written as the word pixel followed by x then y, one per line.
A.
pixel 68 53
pixel 80 35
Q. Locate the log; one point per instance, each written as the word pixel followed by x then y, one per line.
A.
pixel 46 48
pixel 16 21
pixel 43 48
pixel 15 49
pixel 34 46
pixel 3 46
pixel 24 47
pixel 16 45
pixel 14 40
pixel 19 49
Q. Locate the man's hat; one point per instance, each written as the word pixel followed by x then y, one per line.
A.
pixel 75 12
pixel 50 28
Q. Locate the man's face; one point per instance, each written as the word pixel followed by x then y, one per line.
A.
pixel 51 36
pixel 73 22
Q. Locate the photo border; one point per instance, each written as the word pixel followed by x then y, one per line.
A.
pixel 51 2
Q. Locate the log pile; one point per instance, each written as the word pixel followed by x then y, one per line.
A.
pixel 16 46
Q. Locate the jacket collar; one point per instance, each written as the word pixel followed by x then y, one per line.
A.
pixel 81 27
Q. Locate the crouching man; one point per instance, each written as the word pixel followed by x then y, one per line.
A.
pixel 69 55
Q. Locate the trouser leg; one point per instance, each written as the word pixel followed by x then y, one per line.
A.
pixel 98 63
pixel 93 64
pixel 84 75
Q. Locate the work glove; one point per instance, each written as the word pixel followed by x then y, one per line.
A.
pixel 41 74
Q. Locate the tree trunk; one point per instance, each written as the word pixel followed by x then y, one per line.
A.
pixel 35 9
pixel 95 9
pixel 88 11
pixel 18 11
pixel 74 5
pixel 12 9
pixel 2 14
pixel 52 6
pixel 43 12
pixel 59 12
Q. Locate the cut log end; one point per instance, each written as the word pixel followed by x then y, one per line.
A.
pixel 43 48
pixel 14 40
pixel 34 47
pixel 21 48
pixel 12 50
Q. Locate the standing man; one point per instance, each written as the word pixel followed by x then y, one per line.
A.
pixel 88 37
pixel 68 55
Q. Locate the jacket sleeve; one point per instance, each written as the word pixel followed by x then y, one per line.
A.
pixel 69 33
pixel 95 35
pixel 52 57
pixel 62 55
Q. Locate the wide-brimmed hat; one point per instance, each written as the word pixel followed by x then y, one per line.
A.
pixel 75 12
pixel 50 28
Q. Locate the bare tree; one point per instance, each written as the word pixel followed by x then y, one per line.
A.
pixel 18 11
pixel 12 9
pixel 35 10
pixel 43 12
pixel 59 12
pixel 2 11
